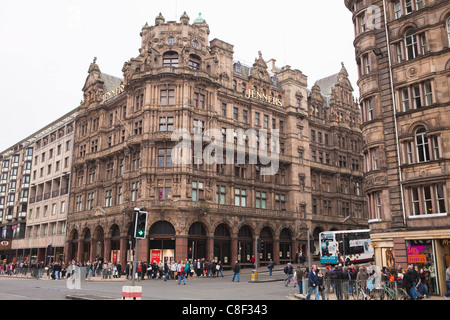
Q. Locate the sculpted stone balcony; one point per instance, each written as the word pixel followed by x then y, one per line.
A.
pixel 219 208
pixel 185 205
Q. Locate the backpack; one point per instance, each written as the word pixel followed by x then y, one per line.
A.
pixel 391 277
pixel 286 270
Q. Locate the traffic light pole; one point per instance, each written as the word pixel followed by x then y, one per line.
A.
pixel 134 267
pixel 135 261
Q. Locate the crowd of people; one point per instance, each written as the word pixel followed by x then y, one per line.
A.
pixel 175 270
pixel 168 270
pixel 414 279
pixel 60 270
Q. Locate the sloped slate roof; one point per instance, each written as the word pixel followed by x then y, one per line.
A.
pixel 245 71
pixel 110 82
pixel 327 84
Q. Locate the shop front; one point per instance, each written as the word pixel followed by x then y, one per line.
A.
pixel 5 250
pixel 422 253
pixel 161 242
pixel 430 256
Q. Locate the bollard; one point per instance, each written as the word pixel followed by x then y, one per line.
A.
pixel 254 275
pixel 131 293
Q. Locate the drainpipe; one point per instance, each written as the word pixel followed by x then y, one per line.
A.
pixel 394 107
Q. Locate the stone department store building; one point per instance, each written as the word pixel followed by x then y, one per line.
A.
pixel 123 155
pixel 403 54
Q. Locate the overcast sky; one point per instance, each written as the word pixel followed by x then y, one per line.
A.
pixel 46 46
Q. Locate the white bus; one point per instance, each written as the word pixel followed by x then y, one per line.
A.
pixel 350 246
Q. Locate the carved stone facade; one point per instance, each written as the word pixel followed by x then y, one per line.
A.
pixel 404 70
pixel 128 130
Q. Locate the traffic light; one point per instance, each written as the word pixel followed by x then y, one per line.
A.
pixel 260 245
pixel 140 227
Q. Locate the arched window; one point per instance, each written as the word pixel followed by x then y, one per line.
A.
pixel 423 153
pixel 415 44
pixel 170 59
pixel 194 62
pixel 162 228
pixel 448 30
pixel 411 44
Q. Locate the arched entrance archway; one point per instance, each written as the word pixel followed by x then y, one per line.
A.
pixel 315 247
pixel 162 242
pixel 222 244
pixel 98 244
pixel 286 250
pixel 266 235
pixel 115 243
pixel 197 241
pixel 73 251
pixel 245 246
pixel 85 255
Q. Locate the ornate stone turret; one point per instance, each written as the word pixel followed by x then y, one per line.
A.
pixel 184 19
pixel 93 86
pixel 159 20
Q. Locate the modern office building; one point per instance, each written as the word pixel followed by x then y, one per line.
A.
pixel 402 51
pixel 34 192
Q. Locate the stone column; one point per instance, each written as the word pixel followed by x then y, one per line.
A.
pixel 181 245
pixel 107 249
pixel 276 251
pixel 123 252
pixel 143 254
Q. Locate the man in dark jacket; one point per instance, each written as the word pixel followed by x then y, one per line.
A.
pixel 236 270
pixel 270 265
pixel 337 278
pixel 408 283
pixel 166 270
pixel 289 271
pixel 313 283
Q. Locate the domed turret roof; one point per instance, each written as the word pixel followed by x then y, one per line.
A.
pixel 199 19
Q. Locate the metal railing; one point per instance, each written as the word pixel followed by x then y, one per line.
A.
pixel 357 290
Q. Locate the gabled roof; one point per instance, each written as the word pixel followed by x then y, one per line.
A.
pixel 327 84
pixel 110 82
pixel 245 71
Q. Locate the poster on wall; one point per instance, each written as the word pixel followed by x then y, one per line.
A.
pixel 155 255
pixel 115 255
pixel 416 254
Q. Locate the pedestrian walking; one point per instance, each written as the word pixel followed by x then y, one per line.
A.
pixel 139 271
pixel 320 277
pixel 313 283
pixel 213 268
pixel 181 270
pixel 361 279
pixel 166 270
pixel 236 271
pixel 300 274
pixel 219 269
pixel 270 265
pixel 421 285
pixel 337 278
pixel 289 271
pixel 408 282
pixel 300 257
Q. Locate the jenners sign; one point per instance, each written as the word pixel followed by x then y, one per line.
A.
pixel 256 95
pixel 113 93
